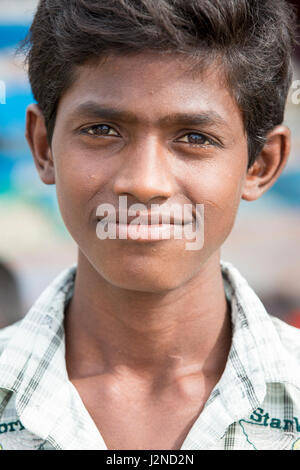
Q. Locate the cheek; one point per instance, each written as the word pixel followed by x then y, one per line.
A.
pixel 219 189
pixel 77 182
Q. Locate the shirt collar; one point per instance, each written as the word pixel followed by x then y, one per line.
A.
pixel 33 366
pixel 254 331
pixel 256 358
pixel 33 362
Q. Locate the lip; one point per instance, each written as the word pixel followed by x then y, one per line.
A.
pixel 145 232
pixel 143 226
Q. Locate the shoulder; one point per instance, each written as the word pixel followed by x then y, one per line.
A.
pixel 289 337
pixel 53 298
pixel 6 334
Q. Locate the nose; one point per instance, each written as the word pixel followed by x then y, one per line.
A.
pixel 146 172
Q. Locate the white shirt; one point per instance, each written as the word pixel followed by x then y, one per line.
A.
pixel 255 404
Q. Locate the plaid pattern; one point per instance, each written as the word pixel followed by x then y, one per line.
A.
pixel 255 405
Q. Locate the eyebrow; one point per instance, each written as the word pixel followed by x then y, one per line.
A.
pixel 93 110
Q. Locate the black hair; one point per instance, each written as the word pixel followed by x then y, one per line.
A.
pixel 252 38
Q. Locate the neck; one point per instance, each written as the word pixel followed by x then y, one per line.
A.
pixel 181 332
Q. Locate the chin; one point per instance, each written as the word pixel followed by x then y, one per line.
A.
pixel 147 269
pixel 141 280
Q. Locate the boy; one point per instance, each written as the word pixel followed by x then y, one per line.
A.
pixel 149 343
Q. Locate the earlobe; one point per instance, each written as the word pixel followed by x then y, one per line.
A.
pixel 268 166
pixel 36 135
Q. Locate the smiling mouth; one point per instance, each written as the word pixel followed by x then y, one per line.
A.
pixel 151 225
pixel 143 229
pixel 147 219
pixel 144 232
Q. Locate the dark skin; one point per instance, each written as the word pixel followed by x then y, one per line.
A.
pixel 148 329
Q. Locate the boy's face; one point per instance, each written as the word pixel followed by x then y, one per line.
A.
pixel 147 106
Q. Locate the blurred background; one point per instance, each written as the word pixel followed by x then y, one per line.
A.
pixel 34 245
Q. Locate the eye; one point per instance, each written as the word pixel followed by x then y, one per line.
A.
pixel 196 139
pixel 100 130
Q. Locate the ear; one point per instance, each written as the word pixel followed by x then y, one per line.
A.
pixel 269 164
pixel 36 135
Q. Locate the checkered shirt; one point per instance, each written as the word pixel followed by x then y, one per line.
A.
pixel 255 404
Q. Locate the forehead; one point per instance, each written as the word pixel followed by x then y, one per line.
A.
pixel 152 85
